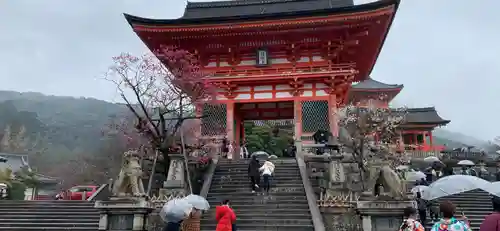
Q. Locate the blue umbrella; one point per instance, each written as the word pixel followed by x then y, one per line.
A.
pixel 175 210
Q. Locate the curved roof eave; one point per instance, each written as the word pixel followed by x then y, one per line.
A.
pixel 132 20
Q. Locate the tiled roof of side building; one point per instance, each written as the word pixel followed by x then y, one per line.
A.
pixel 371 84
pixel 426 115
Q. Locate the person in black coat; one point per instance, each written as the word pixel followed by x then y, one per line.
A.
pixel 253 173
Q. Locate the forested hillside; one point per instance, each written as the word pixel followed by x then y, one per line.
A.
pixel 72 123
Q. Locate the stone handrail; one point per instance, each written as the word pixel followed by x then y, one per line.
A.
pixel 207 182
pixel 317 218
pixel 102 193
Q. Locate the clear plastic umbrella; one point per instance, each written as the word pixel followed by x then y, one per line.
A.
pixel 198 202
pixel 273 157
pixel 414 176
pixel 454 184
pixel 175 210
pixel 466 163
pixel 402 167
pixel 431 159
pixel 493 188
pixel 260 154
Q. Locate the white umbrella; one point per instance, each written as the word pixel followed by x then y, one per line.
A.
pixel 493 188
pixel 452 185
pixel 466 162
pixel 260 153
pixel 414 176
pixel 419 188
pixel 175 210
pixel 431 159
pixel 198 202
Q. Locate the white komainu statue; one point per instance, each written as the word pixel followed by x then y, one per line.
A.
pixel 129 182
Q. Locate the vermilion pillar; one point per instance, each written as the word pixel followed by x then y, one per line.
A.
pixel 297 114
pixel 237 133
pixel 332 115
pixel 230 122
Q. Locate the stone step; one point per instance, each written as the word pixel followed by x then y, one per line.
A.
pixel 62 226
pixel 273 183
pixel 44 202
pixel 245 176
pixel 263 216
pixel 47 205
pixel 267 221
pixel 235 203
pixel 48 215
pixel 257 207
pixel 48 228
pixel 53 208
pixel 272 190
pixel 248 193
pixel 257 198
pixel 263 227
pixel 247 183
pixel 91 220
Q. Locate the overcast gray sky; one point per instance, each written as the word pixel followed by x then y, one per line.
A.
pixel 445 52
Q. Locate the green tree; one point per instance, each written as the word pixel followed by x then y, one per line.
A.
pixel 27 177
pixel 6 176
pixel 264 138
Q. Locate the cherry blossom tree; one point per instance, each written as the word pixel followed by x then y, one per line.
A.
pixel 160 90
pixel 371 131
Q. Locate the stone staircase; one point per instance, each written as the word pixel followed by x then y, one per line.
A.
pixel 285 208
pixel 48 215
pixel 476 205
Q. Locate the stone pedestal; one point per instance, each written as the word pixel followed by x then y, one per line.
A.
pixel 382 215
pixel 175 185
pixel 124 214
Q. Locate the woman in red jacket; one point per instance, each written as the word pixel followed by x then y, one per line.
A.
pixel 225 217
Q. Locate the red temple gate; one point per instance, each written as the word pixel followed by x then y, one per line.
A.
pixel 279 62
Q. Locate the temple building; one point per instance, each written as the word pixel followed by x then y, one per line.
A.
pixel 47 185
pixel 416 132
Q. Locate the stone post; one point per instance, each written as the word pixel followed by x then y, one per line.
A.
pixel 336 170
pixel 124 214
pixel 175 185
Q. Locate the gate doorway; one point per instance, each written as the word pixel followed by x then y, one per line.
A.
pixel 265 126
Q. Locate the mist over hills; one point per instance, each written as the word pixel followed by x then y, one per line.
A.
pixel 72 124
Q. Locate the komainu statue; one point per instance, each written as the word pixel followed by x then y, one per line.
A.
pixel 129 182
pixel 392 184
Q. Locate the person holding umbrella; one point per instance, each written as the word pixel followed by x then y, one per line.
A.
pixel 192 222
pixel 174 212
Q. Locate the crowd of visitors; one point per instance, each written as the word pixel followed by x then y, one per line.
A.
pixel 445 219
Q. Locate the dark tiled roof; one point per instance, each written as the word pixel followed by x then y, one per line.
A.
pixel 243 10
pixel 426 115
pixel 371 84
pixel 198 10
